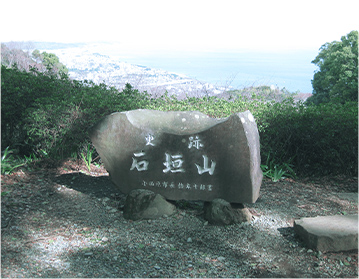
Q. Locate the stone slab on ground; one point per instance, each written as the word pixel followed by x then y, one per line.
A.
pixel 329 233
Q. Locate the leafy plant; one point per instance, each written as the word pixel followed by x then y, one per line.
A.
pixel 277 172
pixel 47 116
pixel 5 193
pixel 8 163
pixel 88 157
pixel 337 77
pixel 31 158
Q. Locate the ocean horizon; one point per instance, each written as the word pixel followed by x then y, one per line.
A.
pixel 292 70
pixel 235 69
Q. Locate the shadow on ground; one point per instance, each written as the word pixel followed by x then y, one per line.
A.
pixel 99 186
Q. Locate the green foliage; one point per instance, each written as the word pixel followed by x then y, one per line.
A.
pixel 305 140
pixel 88 157
pixel 337 77
pixel 51 62
pixel 277 172
pixel 318 140
pixel 263 93
pixel 8 162
pixel 47 63
pixel 42 113
pixel 47 116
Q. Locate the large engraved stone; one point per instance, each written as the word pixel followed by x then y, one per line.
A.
pixel 182 155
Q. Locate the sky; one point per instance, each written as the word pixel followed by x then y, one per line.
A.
pixel 182 25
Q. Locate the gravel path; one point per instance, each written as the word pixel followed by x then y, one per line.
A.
pixel 66 222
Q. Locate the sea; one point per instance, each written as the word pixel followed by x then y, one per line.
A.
pixel 236 69
pixel 291 70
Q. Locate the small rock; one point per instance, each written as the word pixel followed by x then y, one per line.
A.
pixel 145 204
pixel 221 259
pixel 104 239
pixel 221 212
pixel 157 267
pixel 189 240
pixel 88 254
pixel 309 251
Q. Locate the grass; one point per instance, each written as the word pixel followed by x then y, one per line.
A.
pixel 277 172
pixel 88 157
pixel 9 163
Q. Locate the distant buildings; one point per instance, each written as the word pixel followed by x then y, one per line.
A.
pixel 84 65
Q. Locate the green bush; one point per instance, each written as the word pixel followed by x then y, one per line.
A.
pixel 42 114
pixel 314 140
pixel 8 162
pixel 318 140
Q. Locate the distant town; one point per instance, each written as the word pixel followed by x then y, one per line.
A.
pixel 85 62
pixel 85 65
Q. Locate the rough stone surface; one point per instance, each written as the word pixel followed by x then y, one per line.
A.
pixel 221 212
pixel 182 155
pixel 329 233
pixel 144 204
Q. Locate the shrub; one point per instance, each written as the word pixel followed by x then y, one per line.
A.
pixel 8 162
pixel 42 114
pixel 318 140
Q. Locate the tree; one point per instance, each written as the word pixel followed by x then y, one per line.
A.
pixel 337 77
pixel 50 61
pixel 11 56
pixel 37 55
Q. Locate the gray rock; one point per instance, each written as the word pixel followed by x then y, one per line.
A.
pixel 329 233
pixel 144 204
pixel 182 155
pixel 221 212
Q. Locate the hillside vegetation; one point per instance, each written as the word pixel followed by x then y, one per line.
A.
pixel 46 116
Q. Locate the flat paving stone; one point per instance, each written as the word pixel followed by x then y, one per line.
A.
pixel 329 233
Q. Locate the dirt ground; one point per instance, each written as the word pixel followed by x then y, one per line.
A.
pixel 62 207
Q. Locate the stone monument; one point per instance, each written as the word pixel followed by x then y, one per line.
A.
pixel 182 155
